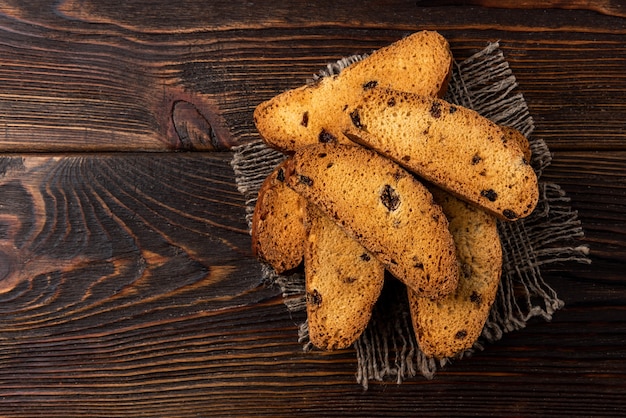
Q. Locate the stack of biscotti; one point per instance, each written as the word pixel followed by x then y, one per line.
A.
pixel 382 174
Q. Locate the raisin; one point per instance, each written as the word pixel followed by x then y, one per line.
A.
pixel 476 298
pixel 370 85
pixel 306 180
pixel 435 110
pixel 280 176
pixel 490 194
pixel 461 334
pixel 391 102
pixel 390 198
pixel 305 119
pixel 476 159
pixel 453 109
pixel 326 137
pixel 509 214
pixel 365 257
pixel 406 158
pixel 356 119
pixel 314 298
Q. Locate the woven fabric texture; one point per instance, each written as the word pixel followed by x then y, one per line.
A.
pixel 387 349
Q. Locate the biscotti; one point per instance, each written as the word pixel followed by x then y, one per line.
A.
pixel 278 230
pixel 449 326
pixel 382 206
pixel 517 138
pixel 449 145
pixel 419 63
pixel 343 282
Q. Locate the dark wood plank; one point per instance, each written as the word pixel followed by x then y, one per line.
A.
pixel 129 289
pixel 84 75
pixel 126 279
pixel 86 236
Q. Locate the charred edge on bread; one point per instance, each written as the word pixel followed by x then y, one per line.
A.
pixel 370 85
pixel 314 298
pixel 435 110
pixel 365 257
pixel 356 118
pixel 325 137
pixel 490 194
pixel 461 334
pixel 476 159
pixel 280 176
pixel 308 181
pixel 305 119
pixel 390 198
pixel 509 214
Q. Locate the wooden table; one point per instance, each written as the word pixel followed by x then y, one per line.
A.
pixel 127 284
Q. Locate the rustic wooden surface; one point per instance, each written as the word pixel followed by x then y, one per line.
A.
pixel 127 286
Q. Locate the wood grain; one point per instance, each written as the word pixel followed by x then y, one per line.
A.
pixel 129 69
pixel 127 286
pixel 146 301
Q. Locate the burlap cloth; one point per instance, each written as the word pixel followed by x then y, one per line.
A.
pixel 387 348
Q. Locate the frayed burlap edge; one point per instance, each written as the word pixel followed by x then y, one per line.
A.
pixel 387 348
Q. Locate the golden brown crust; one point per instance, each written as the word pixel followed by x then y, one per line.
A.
pixel 449 326
pixel 343 282
pixel 449 145
pixel 518 139
pixel 278 231
pixel 383 207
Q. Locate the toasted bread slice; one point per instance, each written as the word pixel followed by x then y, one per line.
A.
pixel 449 145
pixel 449 326
pixel 278 231
pixel 382 206
pixel 419 63
pixel 517 138
pixel 343 282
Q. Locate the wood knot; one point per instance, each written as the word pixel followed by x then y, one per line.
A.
pixel 190 121
pixel 193 129
pixel 6 265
